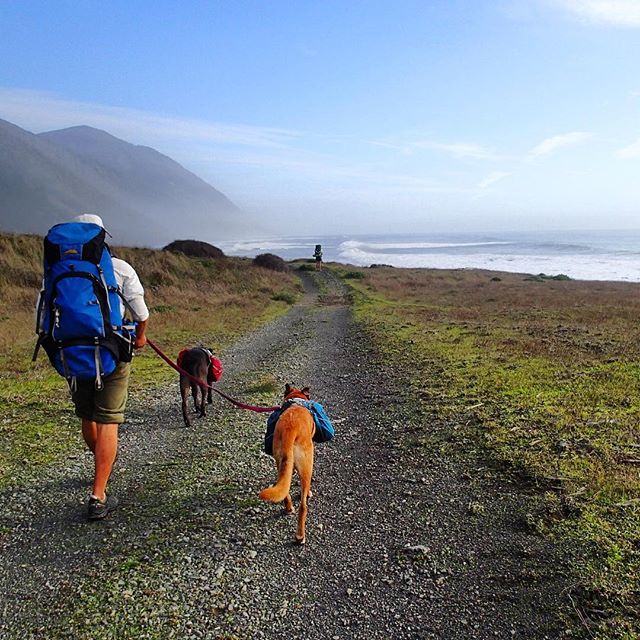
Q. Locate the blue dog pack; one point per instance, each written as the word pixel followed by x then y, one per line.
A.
pixel 324 428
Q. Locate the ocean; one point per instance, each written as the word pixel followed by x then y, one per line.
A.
pixel 582 255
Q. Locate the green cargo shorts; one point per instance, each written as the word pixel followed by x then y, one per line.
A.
pixel 106 405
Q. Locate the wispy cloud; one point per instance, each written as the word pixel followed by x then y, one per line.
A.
pixel 623 13
pixel 492 178
pixel 549 145
pixel 630 152
pixel 305 50
pixel 458 150
pixel 462 150
pixel 39 111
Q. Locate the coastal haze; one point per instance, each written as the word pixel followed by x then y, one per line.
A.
pixel 583 255
pixel 145 197
pixel 148 199
pixel 409 117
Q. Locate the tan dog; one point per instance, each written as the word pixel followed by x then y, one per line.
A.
pixel 293 447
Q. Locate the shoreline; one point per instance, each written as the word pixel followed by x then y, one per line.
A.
pixel 610 256
pixel 557 277
pixel 289 250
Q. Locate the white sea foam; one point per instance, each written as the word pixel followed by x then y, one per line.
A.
pixel 381 246
pixel 578 266
pixel 251 246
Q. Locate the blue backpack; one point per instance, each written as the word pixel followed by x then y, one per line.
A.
pixel 79 319
pixel 324 429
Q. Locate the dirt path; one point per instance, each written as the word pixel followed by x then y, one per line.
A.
pixel 403 541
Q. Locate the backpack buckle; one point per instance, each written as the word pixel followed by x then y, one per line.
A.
pixel 98 360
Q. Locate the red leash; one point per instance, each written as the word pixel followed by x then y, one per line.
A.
pixel 204 385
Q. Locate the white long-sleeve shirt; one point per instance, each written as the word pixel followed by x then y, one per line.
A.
pixel 131 289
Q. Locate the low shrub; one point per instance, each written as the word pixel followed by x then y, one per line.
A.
pixel 194 249
pixel 270 261
pixel 283 296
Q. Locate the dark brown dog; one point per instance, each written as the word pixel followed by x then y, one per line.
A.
pixel 196 362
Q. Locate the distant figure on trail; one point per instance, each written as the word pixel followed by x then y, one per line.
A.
pixel 317 254
pixel 92 350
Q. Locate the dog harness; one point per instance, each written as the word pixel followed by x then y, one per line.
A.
pixel 324 429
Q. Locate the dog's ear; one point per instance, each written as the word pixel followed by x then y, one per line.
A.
pixel 307 392
pixel 287 389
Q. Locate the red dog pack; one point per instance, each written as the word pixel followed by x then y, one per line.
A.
pixel 215 366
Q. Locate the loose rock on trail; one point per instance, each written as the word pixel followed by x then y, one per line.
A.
pixel 403 541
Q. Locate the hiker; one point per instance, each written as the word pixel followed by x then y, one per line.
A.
pixel 99 400
pixel 317 254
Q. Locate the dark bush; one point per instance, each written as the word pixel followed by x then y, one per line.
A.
pixel 195 249
pixel 289 298
pixel 541 277
pixel 270 261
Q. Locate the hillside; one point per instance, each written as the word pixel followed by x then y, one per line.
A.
pixel 145 197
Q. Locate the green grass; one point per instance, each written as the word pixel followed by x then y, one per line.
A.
pixel 266 385
pixel 544 374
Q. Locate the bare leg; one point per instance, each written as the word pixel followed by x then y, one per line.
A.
pixel 105 451
pixel 89 433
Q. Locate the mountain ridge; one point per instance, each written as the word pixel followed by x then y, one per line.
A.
pixel 145 197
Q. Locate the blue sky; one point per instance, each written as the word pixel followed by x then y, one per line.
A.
pixel 331 117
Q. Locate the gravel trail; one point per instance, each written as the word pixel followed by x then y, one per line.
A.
pixel 403 541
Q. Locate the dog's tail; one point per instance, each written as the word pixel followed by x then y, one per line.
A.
pixel 279 491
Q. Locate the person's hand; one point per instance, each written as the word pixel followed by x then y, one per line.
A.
pixel 139 342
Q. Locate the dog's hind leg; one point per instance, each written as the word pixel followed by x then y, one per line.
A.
pixel 203 402
pixel 184 392
pixel 194 395
pixel 305 471
pixel 288 504
pixel 210 381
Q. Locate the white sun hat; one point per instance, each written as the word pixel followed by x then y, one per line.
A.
pixel 90 218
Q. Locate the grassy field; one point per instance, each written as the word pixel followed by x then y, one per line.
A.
pixel 191 300
pixel 544 375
